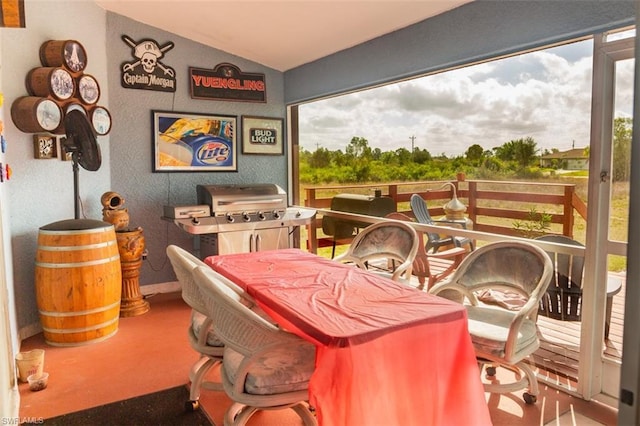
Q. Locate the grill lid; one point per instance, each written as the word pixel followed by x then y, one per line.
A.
pixel 225 199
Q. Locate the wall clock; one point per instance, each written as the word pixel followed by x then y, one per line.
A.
pixel 44 146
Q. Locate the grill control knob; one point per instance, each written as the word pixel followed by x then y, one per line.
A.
pixel 245 217
pixel 261 216
pixel 230 218
pixel 276 214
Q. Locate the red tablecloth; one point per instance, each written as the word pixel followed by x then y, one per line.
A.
pixel 387 354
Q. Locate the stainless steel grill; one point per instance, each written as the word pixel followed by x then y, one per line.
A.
pixel 240 218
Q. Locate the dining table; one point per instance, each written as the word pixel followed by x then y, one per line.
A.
pixel 386 353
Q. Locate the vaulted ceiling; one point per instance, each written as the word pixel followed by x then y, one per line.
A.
pixel 280 34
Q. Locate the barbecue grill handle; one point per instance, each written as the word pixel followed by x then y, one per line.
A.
pixel 255 241
pixel 243 202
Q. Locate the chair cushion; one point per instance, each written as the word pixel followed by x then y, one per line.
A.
pixel 197 319
pixel 285 369
pixel 489 328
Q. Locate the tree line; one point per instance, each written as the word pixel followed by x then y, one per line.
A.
pixel 518 158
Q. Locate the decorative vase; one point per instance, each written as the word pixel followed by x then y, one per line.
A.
pixel 131 245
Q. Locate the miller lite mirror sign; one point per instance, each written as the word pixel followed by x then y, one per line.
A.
pixel 147 70
pixel 227 83
pixel 184 142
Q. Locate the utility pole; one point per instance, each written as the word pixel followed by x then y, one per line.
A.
pixel 413 139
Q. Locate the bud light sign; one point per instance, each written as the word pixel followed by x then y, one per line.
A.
pixel 189 142
pixel 262 135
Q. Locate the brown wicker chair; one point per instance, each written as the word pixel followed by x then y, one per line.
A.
pixel 393 242
pixel 432 267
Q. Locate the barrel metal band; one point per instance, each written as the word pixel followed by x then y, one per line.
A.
pixel 78 264
pixel 77 248
pixel 75 231
pixel 80 330
pixel 76 313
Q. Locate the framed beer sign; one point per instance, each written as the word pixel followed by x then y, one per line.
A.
pixel 226 82
pixel 184 142
pixel 262 135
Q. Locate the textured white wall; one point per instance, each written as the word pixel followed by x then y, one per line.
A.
pixel 145 192
pixel 41 191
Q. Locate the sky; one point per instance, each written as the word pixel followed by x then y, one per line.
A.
pixel 545 95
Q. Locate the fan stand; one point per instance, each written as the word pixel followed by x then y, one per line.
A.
pixel 76 184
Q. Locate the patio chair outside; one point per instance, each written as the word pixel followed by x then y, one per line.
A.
pixel 503 335
pixel 563 299
pixel 431 267
pixel 391 241
pixel 265 367
pixel 434 240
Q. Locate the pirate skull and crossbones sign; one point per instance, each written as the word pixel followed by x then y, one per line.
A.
pixel 148 54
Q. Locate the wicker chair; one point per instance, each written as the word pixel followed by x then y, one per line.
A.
pixel 390 241
pixel 264 368
pixel 431 267
pixel 503 335
pixel 201 336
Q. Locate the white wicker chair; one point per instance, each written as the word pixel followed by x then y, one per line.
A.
pixel 264 368
pixel 503 334
pixel 390 241
pixel 201 335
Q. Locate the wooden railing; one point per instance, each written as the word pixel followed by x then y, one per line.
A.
pixel 492 206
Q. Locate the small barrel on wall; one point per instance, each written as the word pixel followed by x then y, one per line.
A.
pixel 78 281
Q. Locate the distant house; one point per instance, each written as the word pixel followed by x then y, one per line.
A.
pixel 573 159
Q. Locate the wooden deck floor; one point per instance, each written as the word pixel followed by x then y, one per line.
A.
pixel 560 340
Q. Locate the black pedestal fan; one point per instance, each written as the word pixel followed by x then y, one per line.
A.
pixel 81 142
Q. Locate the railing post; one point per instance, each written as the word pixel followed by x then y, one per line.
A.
pixel 393 193
pixel 567 220
pixel 312 228
pixel 473 201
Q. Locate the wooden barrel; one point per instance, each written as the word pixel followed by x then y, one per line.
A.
pixel 34 114
pixel 78 281
pixel 63 53
pixel 51 81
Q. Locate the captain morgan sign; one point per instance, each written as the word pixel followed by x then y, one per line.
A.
pixel 146 70
pixel 226 82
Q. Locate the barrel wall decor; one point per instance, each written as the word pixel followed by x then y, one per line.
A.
pixel 51 81
pixel 34 114
pixel 78 281
pixel 60 81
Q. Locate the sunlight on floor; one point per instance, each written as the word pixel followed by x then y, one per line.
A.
pixel 571 418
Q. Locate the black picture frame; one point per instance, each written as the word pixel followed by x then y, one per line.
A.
pixel 194 142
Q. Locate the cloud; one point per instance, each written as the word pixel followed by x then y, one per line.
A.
pixel 544 94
